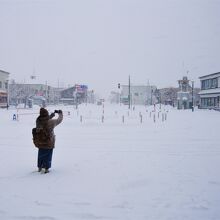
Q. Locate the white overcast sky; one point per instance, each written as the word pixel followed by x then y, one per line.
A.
pixel 101 42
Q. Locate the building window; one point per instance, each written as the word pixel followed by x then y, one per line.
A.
pixel 203 84
pixel 215 83
pixel 210 83
pixel 209 102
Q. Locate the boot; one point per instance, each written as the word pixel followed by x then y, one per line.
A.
pixel 46 170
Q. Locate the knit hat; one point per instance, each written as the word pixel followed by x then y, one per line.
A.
pixel 43 112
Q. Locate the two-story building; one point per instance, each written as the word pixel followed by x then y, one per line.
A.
pixel 4 77
pixel 140 94
pixel 210 91
pixel 33 94
pixel 75 95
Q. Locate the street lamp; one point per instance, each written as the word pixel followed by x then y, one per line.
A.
pixel 160 99
pixel 7 83
pixel 119 94
pixel 151 96
pixel 129 92
pixel 192 96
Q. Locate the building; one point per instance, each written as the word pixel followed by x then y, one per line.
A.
pixel 188 95
pixel 140 94
pixel 4 78
pixel 74 95
pixel 91 96
pixel 168 96
pixel 29 94
pixel 210 91
pixel 67 96
pixel 184 98
pixel 114 97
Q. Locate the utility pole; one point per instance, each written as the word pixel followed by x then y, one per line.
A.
pixel 46 93
pixel 192 96
pixel 151 96
pixel 7 81
pixel 119 95
pixel 160 100
pixel 129 92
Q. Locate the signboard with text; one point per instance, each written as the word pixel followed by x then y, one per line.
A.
pixel 81 88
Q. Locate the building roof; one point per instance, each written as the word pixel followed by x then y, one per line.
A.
pixel 2 71
pixel 209 75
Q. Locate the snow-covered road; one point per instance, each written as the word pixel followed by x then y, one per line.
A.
pixel 163 170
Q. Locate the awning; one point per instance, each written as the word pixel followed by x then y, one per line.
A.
pixel 210 91
pixel 209 95
pixel 3 94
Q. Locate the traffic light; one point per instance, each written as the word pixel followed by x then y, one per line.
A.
pixel 119 85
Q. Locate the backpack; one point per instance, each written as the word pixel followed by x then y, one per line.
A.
pixel 41 137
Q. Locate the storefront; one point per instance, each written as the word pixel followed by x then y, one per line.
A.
pixel 209 100
pixel 4 77
pixel 3 99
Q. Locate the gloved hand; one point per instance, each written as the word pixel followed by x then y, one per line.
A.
pixel 58 111
pixel 52 115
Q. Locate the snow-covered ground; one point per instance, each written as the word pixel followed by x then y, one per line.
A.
pixel 162 170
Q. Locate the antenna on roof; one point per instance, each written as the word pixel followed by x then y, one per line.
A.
pixel 33 76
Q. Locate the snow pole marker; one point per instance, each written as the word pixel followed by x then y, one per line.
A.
pixel 103 109
pixel 141 118
pixel 123 119
pixel 162 116
pixel 17 115
pixel 14 117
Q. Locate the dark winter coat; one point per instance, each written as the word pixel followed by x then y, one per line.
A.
pixel 48 124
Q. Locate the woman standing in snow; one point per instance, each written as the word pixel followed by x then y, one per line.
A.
pixel 44 137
